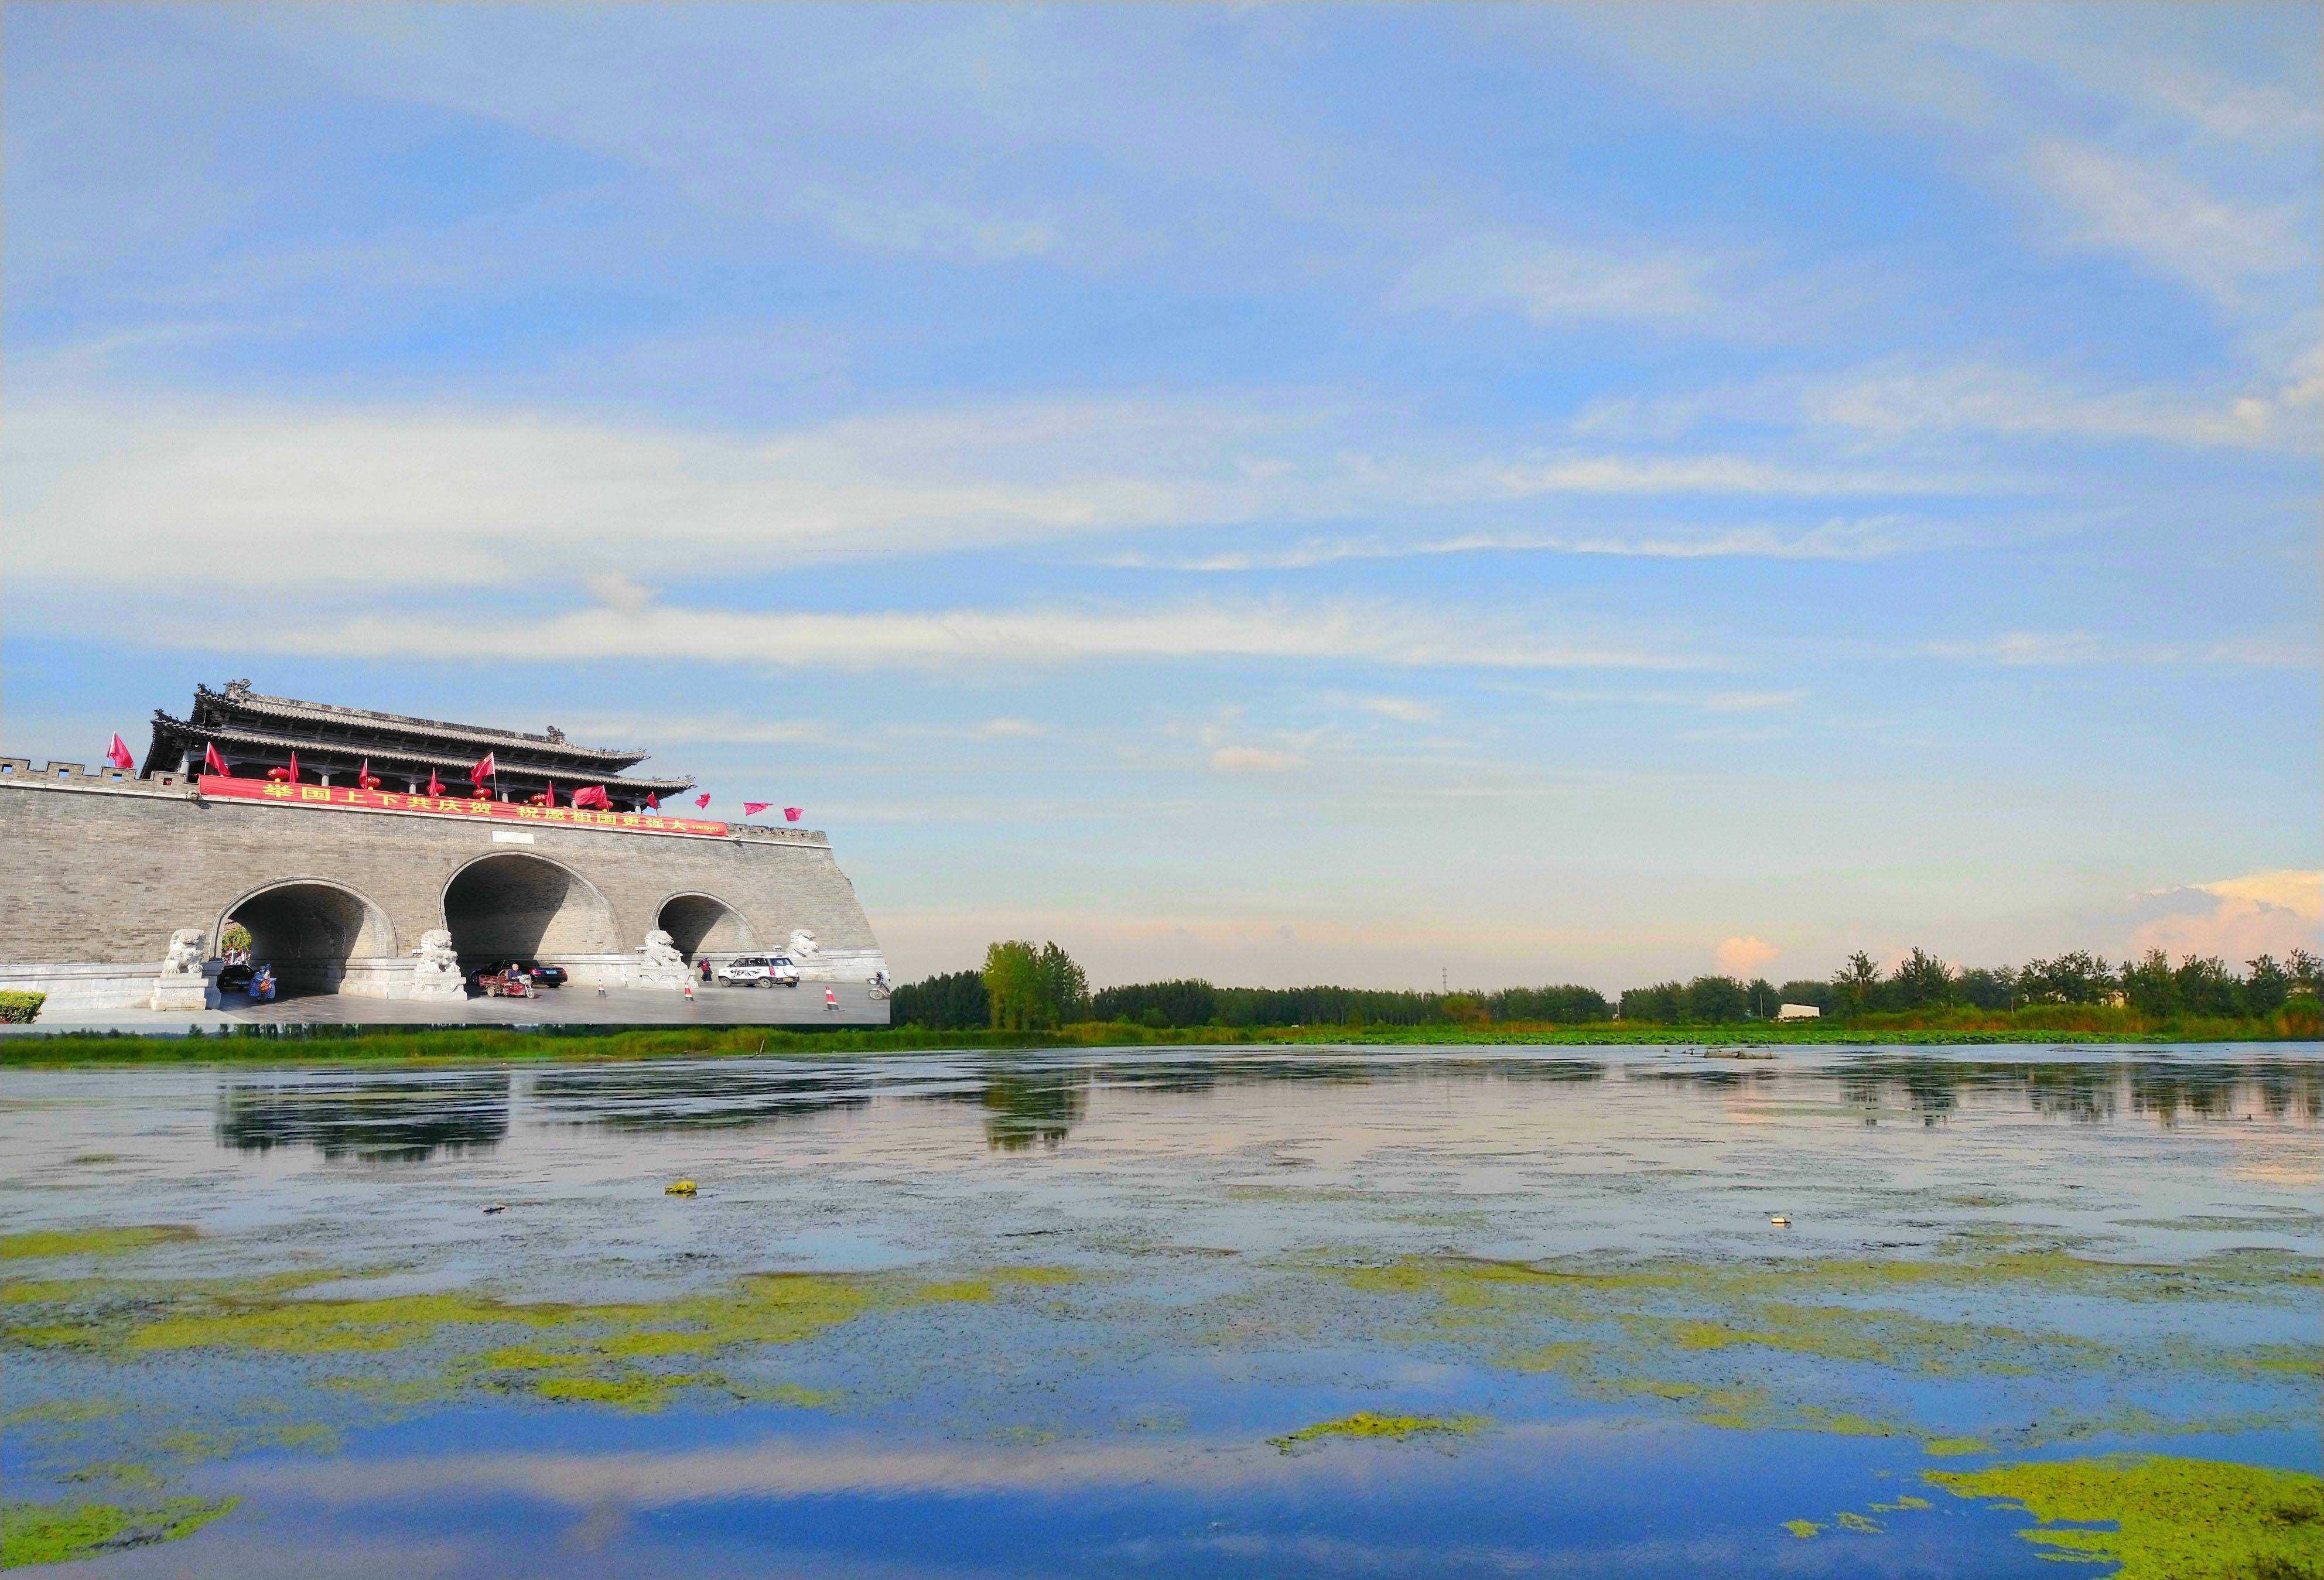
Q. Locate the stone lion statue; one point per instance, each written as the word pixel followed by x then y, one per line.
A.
pixel 437 957
pixel 804 945
pixel 438 973
pixel 661 949
pixel 184 958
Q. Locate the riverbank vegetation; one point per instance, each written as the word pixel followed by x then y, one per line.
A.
pixel 1025 989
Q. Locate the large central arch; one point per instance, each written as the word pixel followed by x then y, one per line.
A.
pixel 700 923
pixel 309 931
pixel 512 906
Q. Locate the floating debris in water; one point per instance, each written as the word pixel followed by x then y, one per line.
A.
pixel 496 1206
pixel 681 1188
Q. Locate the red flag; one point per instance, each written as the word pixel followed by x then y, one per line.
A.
pixel 294 767
pixel 703 799
pixel 435 784
pixel 753 808
pixel 793 813
pixel 117 754
pixel 363 775
pixel 214 764
pixel 654 802
pixel 483 770
pixel 594 798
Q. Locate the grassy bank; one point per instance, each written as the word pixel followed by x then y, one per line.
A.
pixel 335 1044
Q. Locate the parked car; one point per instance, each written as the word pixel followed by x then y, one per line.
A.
pixel 235 979
pixel 760 972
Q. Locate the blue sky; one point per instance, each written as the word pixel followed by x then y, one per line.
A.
pixel 1281 494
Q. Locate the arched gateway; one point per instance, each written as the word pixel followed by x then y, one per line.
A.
pixel 388 828
pixel 310 931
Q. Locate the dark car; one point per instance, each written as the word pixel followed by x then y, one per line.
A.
pixel 542 975
pixel 234 979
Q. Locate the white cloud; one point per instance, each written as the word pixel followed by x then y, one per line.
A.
pixel 1550 283
pixel 1253 759
pixel 444 498
pixel 1874 538
pixel 2077 648
pixel 1995 400
pixel 2156 214
pixel 629 729
pixel 2300 893
pixel 1745 956
pixel 1403 710
pixel 1012 638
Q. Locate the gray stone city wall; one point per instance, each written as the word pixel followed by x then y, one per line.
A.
pixel 100 868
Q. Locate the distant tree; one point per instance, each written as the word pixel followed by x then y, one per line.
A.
pixel 2149 985
pixel 2207 988
pixel 1664 1004
pixel 1064 988
pixel 1803 991
pixel 2306 971
pixel 1185 1002
pixel 1714 1000
pixel 1921 981
pixel 1565 1005
pixel 2078 976
pixel 1760 1000
pixel 1462 1009
pixel 1986 987
pixel 955 1001
pixel 1856 985
pixel 2266 985
pixel 1013 985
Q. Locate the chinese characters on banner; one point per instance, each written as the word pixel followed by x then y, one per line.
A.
pixel 347 797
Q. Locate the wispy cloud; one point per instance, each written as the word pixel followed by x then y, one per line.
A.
pixel 2214 243
pixel 1253 759
pixel 383 496
pixel 1021 637
pixel 1834 540
pixel 2085 648
pixel 1551 283
pixel 1996 400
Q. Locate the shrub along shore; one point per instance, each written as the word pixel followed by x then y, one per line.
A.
pixel 2043 1024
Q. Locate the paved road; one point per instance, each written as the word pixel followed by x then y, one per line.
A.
pixel 628 1006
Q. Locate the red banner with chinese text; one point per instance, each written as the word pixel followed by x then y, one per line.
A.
pixel 345 797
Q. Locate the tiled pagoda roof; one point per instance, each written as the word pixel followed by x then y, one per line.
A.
pixel 230 736
pixel 250 709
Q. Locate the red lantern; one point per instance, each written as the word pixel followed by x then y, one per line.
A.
pixel 482 793
pixel 280 775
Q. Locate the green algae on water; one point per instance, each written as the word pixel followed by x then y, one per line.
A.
pixel 2172 1519
pixel 97 1242
pixel 56 1533
pixel 1365 1424
pixel 1803 1528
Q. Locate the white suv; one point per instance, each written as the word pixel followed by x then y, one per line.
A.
pixel 760 972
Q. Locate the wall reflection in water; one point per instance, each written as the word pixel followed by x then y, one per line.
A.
pixel 1035 1100
pixel 373 1118
pixel 697 1096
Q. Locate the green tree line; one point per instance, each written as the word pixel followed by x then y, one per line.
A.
pixel 1028 987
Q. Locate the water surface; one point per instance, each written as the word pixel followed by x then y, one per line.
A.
pixel 1101 1311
